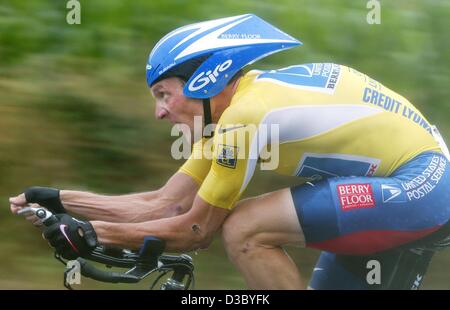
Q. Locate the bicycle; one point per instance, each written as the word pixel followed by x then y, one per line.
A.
pixel 148 260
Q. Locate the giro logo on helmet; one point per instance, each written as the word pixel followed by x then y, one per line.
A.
pixel 204 78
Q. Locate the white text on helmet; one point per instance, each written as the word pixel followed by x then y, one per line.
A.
pixel 204 78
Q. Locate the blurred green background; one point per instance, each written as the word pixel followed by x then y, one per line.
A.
pixel 75 111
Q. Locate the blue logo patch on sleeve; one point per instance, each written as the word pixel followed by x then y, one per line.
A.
pixel 227 155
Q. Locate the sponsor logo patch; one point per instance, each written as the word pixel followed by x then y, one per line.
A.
pixel 392 193
pixel 227 155
pixel 204 78
pixel 355 196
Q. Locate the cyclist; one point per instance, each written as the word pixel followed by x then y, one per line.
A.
pixel 373 171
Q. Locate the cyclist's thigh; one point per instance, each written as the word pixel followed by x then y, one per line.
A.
pixel 269 219
pixel 364 215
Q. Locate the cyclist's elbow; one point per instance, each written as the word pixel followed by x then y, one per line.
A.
pixel 189 242
pixel 201 240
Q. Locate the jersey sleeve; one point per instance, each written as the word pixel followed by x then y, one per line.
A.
pixel 198 164
pixel 235 155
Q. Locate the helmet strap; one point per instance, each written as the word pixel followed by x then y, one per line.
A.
pixel 207 117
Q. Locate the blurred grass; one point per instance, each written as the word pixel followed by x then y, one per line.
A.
pixel 75 111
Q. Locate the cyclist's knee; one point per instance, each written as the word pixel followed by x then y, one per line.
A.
pixel 235 236
pixel 240 238
pixel 259 223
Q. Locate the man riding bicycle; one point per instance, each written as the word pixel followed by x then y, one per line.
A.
pixel 373 171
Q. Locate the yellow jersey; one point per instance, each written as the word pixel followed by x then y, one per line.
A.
pixel 313 121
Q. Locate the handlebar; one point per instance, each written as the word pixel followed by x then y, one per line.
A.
pixel 148 260
pixel 90 271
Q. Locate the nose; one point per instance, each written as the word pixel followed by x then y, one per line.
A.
pixel 160 112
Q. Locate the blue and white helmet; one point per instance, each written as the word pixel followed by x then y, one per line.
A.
pixel 229 44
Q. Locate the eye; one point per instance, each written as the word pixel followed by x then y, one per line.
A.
pixel 159 94
pixel 165 94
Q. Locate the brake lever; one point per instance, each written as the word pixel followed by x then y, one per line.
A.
pixel 46 217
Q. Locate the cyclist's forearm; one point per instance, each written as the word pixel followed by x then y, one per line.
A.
pixel 174 198
pixel 119 209
pixel 189 231
pixel 178 237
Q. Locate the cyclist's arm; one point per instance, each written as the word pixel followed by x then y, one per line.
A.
pixel 223 179
pixel 174 198
pixel 189 231
pixel 220 188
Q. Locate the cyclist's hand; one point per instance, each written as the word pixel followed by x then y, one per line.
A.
pixel 44 196
pixel 17 203
pixel 70 237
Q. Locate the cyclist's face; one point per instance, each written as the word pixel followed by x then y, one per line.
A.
pixel 172 105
